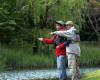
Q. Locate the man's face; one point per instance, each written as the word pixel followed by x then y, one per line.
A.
pixel 68 27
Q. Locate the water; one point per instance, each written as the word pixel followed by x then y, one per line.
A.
pixel 35 74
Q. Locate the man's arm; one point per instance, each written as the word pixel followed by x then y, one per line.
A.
pixel 67 34
pixel 64 44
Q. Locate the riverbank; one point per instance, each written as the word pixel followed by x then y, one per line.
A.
pixel 95 75
pixel 23 58
pixel 92 76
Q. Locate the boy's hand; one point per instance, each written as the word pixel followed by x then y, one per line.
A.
pixel 52 33
pixel 40 39
pixel 57 46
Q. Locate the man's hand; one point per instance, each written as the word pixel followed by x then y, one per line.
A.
pixel 40 39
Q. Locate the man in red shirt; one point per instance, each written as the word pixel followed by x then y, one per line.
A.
pixel 60 50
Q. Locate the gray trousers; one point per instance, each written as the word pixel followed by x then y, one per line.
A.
pixel 73 66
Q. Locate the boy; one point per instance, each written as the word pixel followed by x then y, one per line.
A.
pixel 60 52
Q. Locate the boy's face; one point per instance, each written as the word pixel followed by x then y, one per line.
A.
pixel 58 27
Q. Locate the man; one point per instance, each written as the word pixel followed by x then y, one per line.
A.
pixel 60 52
pixel 73 49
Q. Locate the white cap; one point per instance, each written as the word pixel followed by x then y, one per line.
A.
pixel 69 22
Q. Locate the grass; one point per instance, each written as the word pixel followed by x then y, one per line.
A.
pixel 92 76
pixel 90 55
pixel 14 58
pixel 19 59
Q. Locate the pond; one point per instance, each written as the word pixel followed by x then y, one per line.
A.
pixel 36 74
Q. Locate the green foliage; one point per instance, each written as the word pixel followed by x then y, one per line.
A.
pixel 13 22
pixel 19 17
pixel 70 10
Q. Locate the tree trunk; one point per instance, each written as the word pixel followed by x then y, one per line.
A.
pixel 46 16
pixel 48 7
pixel 98 36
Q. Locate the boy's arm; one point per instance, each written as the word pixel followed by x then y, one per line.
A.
pixel 61 46
pixel 46 40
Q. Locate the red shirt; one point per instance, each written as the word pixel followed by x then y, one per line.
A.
pixel 59 51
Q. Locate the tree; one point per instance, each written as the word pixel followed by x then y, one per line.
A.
pixel 92 12
pixel 13 21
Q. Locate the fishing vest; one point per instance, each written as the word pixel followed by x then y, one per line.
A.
pixel 58 40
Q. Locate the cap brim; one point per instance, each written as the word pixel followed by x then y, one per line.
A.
pixel 59 23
